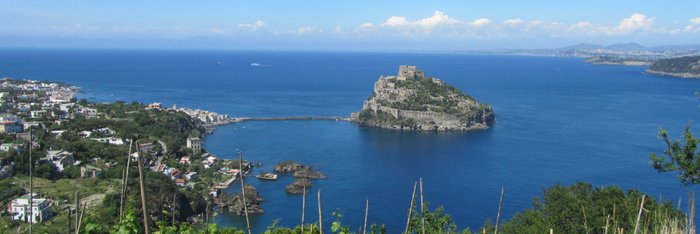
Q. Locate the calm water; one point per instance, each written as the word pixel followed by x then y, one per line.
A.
pixel 559 121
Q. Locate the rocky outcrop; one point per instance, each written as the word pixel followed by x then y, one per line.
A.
pixel 309 173
pixel 298 186
pixel 299 170
pixel 234 203
pixel 288 167
pixel 412 101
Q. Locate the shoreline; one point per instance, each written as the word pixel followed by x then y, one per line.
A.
pixel 672 74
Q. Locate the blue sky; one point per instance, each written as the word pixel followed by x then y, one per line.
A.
pixel 345 25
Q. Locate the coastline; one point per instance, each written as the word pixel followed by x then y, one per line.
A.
pixel 672 74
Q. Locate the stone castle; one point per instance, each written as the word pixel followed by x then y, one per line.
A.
pixel 388 90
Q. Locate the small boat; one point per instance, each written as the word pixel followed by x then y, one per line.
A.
pixel 267 176
pixel 255 65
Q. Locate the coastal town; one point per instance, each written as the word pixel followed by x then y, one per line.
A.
pixel 56 149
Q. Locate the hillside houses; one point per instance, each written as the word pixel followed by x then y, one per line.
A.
pixel 40 209
pixel 59 158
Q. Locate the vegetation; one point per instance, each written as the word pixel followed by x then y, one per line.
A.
pixel 580 208
pixel 689 64
pixel 682 156
pixel 429 96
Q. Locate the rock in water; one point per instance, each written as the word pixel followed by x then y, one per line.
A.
pixel 412 101
pixel 297 187
pixel 234 203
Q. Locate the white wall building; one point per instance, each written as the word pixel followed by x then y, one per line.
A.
pixel 40 209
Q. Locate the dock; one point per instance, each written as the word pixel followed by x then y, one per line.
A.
pixel 226 183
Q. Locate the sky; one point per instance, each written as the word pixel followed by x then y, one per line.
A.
pixel 345 25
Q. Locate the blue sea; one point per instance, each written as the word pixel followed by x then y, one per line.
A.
pixel 559 120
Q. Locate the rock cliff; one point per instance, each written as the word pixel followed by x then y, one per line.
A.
pixel 412 101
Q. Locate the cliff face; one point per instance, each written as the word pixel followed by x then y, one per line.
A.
pixel 686 67
pixel 411 101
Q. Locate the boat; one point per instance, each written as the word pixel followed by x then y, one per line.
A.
pixel 267 176
pixel 255 65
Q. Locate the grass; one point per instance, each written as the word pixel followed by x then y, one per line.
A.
pixel 64 189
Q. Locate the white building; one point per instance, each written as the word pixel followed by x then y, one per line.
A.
pixel 110 140
pixel 40 209
pixel 59 158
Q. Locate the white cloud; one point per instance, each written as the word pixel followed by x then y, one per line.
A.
pixel 420 27
pixel 308 29
pixel 254 26
pixel 480 22
pixel 693 26
pixel 513 22
pixel 367 25
pixel 583 27
pixel 695 21
pixel 438 18
pixel 396 21
pixel 633 23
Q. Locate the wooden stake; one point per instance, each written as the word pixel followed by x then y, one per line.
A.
pixel 364 228
pixel 245 204
pixel 143 194
pixel 125 180
pixel 77 211
pixel 172 208
pixel 422 219
pixel 641 208
pixel 410 208
pixel 70 225
pixel 303 208
pixel 31 181
pixel 80 220
pixel 500 204
pixel 320 214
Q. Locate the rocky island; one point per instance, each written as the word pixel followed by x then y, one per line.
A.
pixel 684 67
pixel 412 101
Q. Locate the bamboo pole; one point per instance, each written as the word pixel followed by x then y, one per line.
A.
pixel 125 181
pixel 500 204
pixel 31 181
pixel 364 228
pixel 143 194
pixel 422 219
pixel 320 214
pixel 77 210
pixel 410 208
pixel 303 208
pixel 70 228
pixel 80 220
pixel 641 208
pixel 172 208
pixel 245 204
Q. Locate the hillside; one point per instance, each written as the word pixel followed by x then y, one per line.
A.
pixel 411 101
pixel 684 67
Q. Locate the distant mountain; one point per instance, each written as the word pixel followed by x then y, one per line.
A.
pixel 627 47
pixel 581 46
pixel 686 67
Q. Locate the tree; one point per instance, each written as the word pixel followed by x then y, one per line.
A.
pixel 680 155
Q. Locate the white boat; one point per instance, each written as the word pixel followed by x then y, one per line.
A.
pixel 255 65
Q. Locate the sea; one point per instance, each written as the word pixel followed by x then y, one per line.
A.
pixel 558 121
